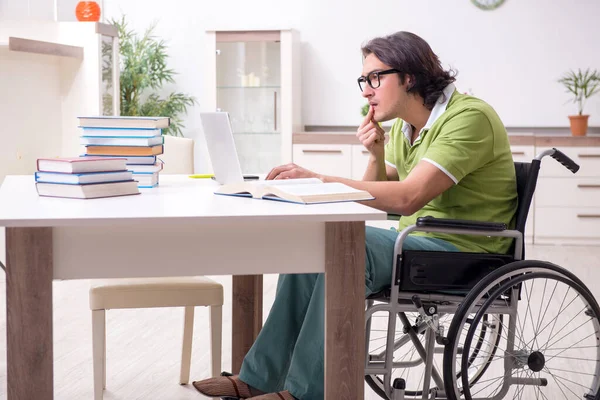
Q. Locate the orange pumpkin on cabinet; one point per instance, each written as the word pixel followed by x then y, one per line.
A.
pixel 87 11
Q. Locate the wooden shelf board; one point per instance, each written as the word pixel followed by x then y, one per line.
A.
pixel 41 47
pixel 107 29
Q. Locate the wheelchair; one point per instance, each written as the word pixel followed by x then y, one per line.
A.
pixel 483 326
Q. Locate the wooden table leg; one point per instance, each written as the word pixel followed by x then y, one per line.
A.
pixel 246 316
pixel 344 310
pixel 29 313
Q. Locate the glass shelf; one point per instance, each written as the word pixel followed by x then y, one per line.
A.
pixel 249 87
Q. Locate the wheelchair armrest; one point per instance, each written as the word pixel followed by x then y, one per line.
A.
pixel 431 222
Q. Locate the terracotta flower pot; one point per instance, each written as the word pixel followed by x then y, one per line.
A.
pixel 87 11
pixel 579 124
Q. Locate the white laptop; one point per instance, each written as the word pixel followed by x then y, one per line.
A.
pixel 221 148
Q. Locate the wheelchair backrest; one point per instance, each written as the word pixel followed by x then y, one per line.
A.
pixel 527 174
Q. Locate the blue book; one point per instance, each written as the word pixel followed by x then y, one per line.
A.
pixel 83 178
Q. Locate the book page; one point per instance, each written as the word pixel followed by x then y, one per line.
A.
pixel 285 182
pixel 318 189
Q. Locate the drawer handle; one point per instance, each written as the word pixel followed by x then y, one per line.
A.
pixel 588 215
pixel 518 153
pixel 323 151
pixel 589 155
pixel 588 186
pixel 365 151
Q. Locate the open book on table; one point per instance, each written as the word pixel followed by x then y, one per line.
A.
pixel 303 191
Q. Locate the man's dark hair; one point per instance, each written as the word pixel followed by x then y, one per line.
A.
pixel 412 56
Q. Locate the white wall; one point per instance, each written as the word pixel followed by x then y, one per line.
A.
pixel 510 57
pixel 30 9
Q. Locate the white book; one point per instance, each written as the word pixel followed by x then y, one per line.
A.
pixel 90 191
pixel 303 191
pixel 102 121
pixel 134 160
pixel 148 169
pixel 127 141
pixel 120 132
pixel 146 180
pixel 76 165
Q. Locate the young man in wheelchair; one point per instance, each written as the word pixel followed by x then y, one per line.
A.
pixel 448 156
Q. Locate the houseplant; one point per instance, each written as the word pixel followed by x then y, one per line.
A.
pixel 581 85
pixel 364 110
pixel 143 64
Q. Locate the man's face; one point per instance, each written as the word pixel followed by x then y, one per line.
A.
pixel 388 99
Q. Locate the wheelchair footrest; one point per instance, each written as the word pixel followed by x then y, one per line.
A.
pixel 447 271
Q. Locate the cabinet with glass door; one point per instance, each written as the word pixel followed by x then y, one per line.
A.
pixel 256 80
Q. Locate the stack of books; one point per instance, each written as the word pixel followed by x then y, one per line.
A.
pixel 138 139
pixel 84 177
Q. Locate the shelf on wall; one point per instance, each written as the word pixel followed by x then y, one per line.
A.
pixel 41 47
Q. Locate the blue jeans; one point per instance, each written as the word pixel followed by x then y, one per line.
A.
pixel 288 353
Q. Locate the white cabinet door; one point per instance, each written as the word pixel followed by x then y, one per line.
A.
pixel 523 153
pixel 588 159
pixel 360 160
pixel 568 192
pixel 326 159
pixel 567 204
pixel 572 225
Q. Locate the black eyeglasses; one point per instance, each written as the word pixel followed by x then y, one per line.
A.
pixel 373 78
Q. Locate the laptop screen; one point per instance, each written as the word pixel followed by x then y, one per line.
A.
pixel 221 147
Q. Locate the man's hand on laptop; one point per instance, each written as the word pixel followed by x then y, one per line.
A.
pixel 291 171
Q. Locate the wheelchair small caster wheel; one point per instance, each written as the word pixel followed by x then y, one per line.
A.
pixel 441 340
pixel 398 389
pixel 399 383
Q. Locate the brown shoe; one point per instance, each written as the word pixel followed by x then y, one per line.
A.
pixel 285 395
pixel 223 386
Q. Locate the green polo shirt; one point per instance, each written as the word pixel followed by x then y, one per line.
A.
pixel 469 143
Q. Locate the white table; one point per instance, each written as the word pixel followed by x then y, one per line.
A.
pixel 179 229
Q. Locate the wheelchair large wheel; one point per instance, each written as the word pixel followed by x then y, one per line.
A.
pixel 550 342
pixel 408 363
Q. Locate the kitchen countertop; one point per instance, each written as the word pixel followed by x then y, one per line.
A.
pixel 564 139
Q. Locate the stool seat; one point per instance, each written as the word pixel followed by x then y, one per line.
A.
pixel 154 292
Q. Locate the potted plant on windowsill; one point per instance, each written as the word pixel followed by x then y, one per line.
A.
pixel 582 85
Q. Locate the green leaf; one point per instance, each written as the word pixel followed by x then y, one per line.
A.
pixel 143 70
pixel 582 85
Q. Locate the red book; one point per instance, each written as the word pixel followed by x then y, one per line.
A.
pixel 79 165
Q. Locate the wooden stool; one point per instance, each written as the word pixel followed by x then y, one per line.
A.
pixel 185 292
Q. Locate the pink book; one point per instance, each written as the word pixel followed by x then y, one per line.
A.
pixel 80 165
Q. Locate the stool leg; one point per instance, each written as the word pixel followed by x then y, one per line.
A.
pixel 186 351
pixel 104 358
pixel 216 322
pixel 99 352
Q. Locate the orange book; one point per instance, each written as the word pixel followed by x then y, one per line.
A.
pixel 124 150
